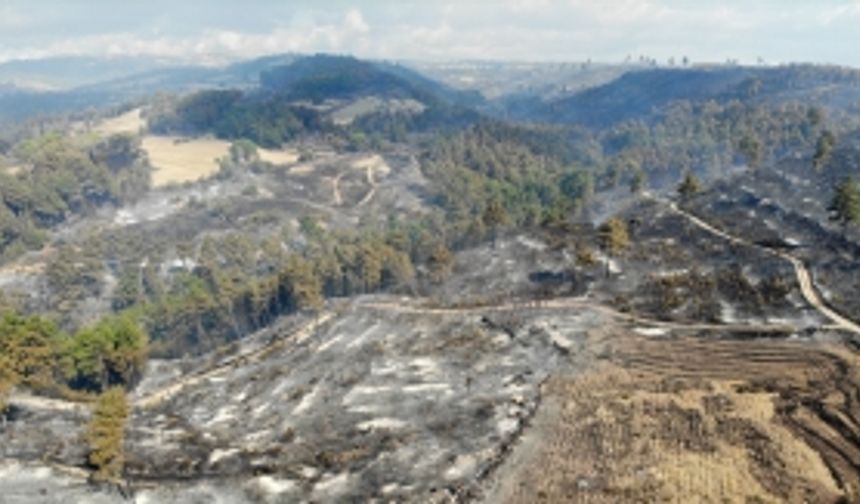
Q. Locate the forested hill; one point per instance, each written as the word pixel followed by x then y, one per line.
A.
pixel 323 77
pixel 322 94
pixel 639 94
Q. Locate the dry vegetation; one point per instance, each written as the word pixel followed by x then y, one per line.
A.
pixel 12 170
pixel 130 122
pixel 690 420
pixel 279 157
pixel 177 160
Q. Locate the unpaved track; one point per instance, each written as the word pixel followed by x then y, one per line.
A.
pixel 564 304
pixel 166 392
pixel 369 196
pixel 804 279
pixel 47 404
pixel 158 396
pixel 335 184
pixel 369 174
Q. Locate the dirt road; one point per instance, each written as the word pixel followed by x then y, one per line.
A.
pixel 158 396
pixel 423 307
pixel 804 279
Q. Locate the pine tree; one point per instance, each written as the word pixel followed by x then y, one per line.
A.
pixel 637 182
pixel 440 263
pixel 690 186
pixel 8 379
pixel 845 207
pixel 823 149
pixel 495 216
pixel 751 148
pixel 304 283
pixel 614 237
pixel 106 435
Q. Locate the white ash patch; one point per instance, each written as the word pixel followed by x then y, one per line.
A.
pixel 463 466
pixel 651 332
pixel 274 486
pixel 306 402
pixel 330 343
pixel 531 243
pixel 507 426
pixel 382 423
pixel 423 388
pixel 728 313
pixel 355 395
pixel 426 367
pixel 223 415
pixel 330 486
pixel 219 454
pixel 363 337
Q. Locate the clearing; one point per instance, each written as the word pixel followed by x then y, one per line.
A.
pixel 129 122
pixel 279 157
pixel 177 160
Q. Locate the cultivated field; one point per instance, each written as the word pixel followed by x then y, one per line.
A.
pixel 694 420
pixel 177 160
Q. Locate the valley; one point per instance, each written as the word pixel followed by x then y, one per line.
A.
pixel 348 282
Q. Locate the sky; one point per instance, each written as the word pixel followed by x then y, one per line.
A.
pixel 214 31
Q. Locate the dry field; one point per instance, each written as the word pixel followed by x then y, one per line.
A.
pixel 690 420
pixel 279 157
pixel 177 160
pixel 180 159
pixel 130 122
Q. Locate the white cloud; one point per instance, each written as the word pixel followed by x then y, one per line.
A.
pixel 528 6
pixel 355 21
pixel 213 46
pixel 11 18
pixel 569 30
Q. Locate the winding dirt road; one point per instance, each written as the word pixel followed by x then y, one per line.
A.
pixel 804 279
pixel 372 192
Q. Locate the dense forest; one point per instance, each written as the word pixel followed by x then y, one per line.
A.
pixel 288 105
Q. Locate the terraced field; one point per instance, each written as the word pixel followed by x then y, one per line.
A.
pixel 697 420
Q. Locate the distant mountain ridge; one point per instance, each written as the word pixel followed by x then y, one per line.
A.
pixel 640 93
pixel 339 77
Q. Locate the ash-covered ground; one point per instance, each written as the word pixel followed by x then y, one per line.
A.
pixel 432 399
pixel 380 401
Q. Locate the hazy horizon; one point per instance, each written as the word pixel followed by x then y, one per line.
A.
pixel 610 31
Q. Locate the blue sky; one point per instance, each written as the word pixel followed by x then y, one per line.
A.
pixel 532 30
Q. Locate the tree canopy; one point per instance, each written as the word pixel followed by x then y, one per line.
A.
pixel 845 206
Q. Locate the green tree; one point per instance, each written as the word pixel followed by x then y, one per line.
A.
pixel 8 379
pixel 304 283
pixel 638 181
pixel 585 256
pixel 495 216
pixel 823 149
pixel 106 435
pixel 577 185
pixel 112 352
pixel 29 346
pixel 614 237
pixel 845 206
pixel 689 186
pixel 750 146
pixel 244 151
pixel 440 263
